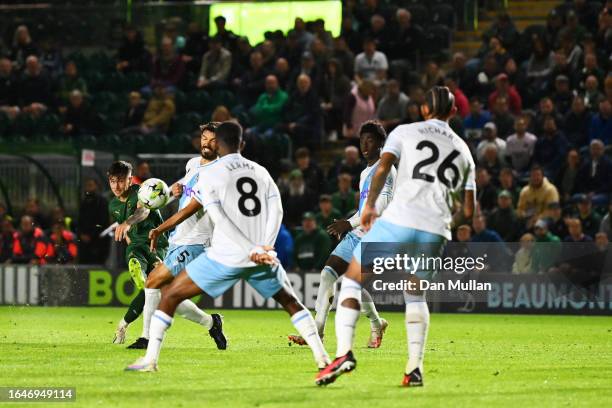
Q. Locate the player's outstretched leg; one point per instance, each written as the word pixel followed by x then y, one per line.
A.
pixel 347 315
pixel 134 310
pixel 155 280
pixel 417 326
pixel 180 289
pixel 304 323
pixel 377 324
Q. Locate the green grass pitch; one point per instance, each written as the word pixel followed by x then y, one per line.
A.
pixel 471 360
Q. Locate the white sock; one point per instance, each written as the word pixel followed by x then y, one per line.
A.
pixel 159 324
pixel 369 309
pixel 190 311
pixel 417 325
pixel 152 299
pixel 346 318
pixel 305 325
pixel 325 297
pixel 123 323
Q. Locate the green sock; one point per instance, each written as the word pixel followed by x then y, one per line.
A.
pixel 135 308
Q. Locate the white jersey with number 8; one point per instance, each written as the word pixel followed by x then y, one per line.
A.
pixel 435 165
pixel 244 191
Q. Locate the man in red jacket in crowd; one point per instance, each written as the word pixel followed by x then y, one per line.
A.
pixel 29 243
pixel 61 248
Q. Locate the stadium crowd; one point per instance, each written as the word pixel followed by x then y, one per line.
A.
pixel 535 107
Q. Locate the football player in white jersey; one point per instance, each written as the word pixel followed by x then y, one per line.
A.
pixel 435 166
pixel 372 137
pixel 190 239
pixel 245 206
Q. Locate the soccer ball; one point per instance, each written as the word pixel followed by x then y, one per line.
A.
pixel 153 193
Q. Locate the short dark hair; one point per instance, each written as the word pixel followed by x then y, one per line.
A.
pixel 440 101
pixel 220 19
pixel 209 126
pixel 119 168
pixel 374 128
pixel 302 152
pixel 230 134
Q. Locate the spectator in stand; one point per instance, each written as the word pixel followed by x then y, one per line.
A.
pixel 520 146
pixel 327 213
pixel 221 114
pixel 33 210
pixel 334 89
pixel 601 123
pixel 489 138
pixel 371 64
pixel 484 84
pixel 61 248
pixel 572 50
pixel 407 39
pixel 536 196
pixel 576 123
pixel 70 81
pixel 29 243
pixel 486 191
pixel 160 111
pixel 590 68
pixel 8 88
pixel 379 32
pixel 563 95
pixel 312 245
pixel 252 82
pixel 546 109
pixel 142 172
pixel 504 30
pixel 503 219
pixel 590 220
pixel 227 37
pixel 555 219
pixel 506 181
pixel 344 199
pixel 606 223
pixel 302 114
pixel 546 249
pixel 567 176
pixel 503 88
pixel 461 101
pixel 352 37
pixel 502 117
pixel 476 120
pixel 195 46
pixel 344 55
pixel 297 200
pixel 350 163
pixel 267 113
pixel 523 258
pixel 216 66
pixel 168 67
pixel 34 88
pixel 23 46
pixel 592 94
pixel 304 37
pixel 311 172
pixel 595 174
pixel 7 230
pixel 413 113
pixel 284 247
pixel 539 67
pixel 133 55
pixel 268 53
pixel 50 57
pixel 391 109
pixel 574 227
pixel 459 71
pixel 282 72
pixel 359 107
pixel 135 111
pixel 79 118
pixel 433 76
pixel 93 218
pixel 492 161
pixel 482 233
pixel 551 147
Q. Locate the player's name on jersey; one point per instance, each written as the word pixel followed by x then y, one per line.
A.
pixel 403 285
pixel 433 130
pixel 237 165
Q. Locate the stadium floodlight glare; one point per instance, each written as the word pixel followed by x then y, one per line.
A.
pixel 254 19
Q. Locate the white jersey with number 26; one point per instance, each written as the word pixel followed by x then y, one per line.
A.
pixel 248 197
pixel 434 166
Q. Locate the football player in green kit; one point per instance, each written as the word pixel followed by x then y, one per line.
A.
pixel 135 222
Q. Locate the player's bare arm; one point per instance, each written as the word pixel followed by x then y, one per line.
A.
pixel 193 207
pixel 139 215
pixel 369 213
